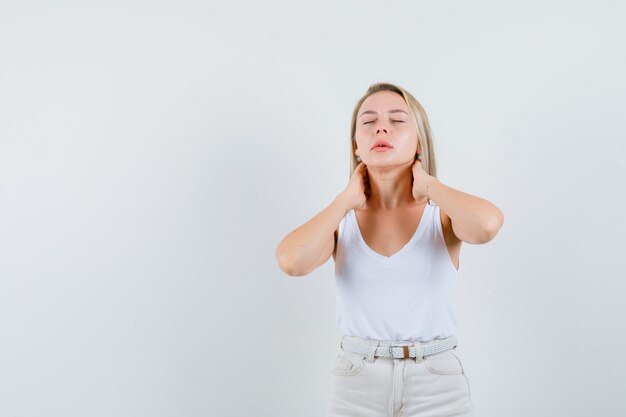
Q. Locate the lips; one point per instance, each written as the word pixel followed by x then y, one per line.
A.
pixel 382 142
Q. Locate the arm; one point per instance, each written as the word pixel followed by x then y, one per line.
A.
pixel 309 245
pixel 474 219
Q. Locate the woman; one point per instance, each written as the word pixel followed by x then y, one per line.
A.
pixel 396 244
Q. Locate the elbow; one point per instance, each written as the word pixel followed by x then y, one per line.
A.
pixel 492 227
pixel 282 261
pixel 286 266
pixel 290 271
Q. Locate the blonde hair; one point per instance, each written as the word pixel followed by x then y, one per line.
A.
pixel 424 134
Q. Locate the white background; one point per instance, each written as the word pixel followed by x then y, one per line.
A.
pixel 153 154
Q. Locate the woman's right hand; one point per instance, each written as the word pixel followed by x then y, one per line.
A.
pixel 357 190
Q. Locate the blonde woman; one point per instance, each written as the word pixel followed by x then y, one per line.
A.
pixel 395 233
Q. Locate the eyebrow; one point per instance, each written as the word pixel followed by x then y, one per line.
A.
pixel 390 111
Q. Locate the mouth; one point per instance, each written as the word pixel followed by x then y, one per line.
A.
pixel 381 144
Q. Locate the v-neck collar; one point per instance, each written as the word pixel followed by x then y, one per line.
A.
pixel 404 248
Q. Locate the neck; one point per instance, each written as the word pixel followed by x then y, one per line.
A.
pixel 391 188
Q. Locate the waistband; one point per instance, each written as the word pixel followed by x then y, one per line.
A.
pixel 406 349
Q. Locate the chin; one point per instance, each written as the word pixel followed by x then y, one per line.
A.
pixel 389 163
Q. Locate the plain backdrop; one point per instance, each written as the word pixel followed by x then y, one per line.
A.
pixel 154 154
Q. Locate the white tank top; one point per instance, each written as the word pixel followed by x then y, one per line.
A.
pixel 408 296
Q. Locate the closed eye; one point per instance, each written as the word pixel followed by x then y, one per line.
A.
pixel 399 121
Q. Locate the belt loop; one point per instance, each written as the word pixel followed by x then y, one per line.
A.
pixel 371 351
pixel 419 353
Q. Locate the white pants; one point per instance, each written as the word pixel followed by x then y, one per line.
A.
pixel 365 385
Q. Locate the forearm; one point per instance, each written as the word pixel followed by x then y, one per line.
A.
pixel 476 216
pixel 302 247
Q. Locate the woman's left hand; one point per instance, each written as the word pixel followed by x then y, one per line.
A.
pixel 421 180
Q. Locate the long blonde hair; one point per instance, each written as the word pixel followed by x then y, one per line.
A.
pixel 425 136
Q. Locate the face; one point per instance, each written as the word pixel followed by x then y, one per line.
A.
pixel 385 115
